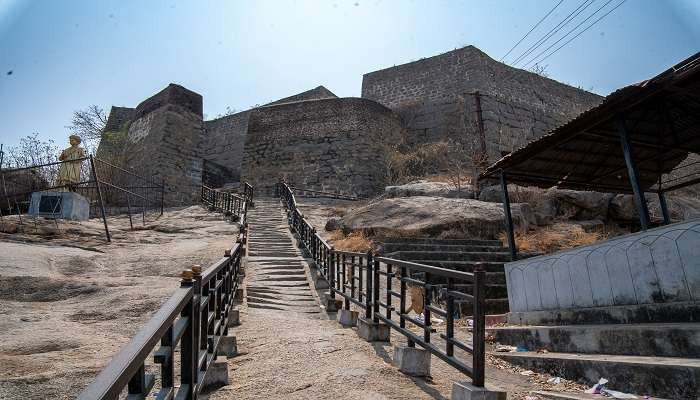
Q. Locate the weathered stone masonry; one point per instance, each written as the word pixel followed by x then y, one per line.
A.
pixel 333 145
pixel 436 99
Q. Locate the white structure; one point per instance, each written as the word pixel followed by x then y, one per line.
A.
pixel 660 265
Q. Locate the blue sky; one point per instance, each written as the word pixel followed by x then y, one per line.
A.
pixel 66 55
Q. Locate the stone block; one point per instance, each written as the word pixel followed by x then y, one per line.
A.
pixel 467 391
pixel 234 318
pixel 332 305
pixel 217 375
pixel 347 318
pixel 228 346
pixel 412 360
pixel 372 331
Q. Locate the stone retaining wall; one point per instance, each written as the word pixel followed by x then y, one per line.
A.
pixel 334 145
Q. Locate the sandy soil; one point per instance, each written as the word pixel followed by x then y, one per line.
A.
pixel 69 300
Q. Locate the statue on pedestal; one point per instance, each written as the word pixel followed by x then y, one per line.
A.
pixel 69 171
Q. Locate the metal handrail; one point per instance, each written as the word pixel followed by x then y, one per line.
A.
pixel 195 317
pixel 344 272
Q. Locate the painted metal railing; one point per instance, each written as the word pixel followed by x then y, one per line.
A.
pixel 230 204
pixel 195 318
pixel 357 279
pixel 304 192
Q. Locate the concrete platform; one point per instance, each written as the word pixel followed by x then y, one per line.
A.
pixel 412 361
pixel 665 377
pixel 667 340
pixel 372 331
pixel 467 391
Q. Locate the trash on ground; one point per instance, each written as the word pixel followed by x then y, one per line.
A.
pixel 617 395
pixel 556 380
pixel 596 389
pixel 543 351
pixel 532 398
pixel 502 348
pixel 527 373
pixel 522 349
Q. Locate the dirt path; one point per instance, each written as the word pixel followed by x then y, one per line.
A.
pixel 65 311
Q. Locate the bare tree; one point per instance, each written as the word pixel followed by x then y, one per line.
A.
pixel 31 151
pixel 89 124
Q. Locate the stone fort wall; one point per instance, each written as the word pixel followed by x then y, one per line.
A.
pixel 332 145
pixel 436 98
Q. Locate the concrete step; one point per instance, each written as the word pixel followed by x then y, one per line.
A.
pixel 453 242
pixel 665 377
pixel 577 396
pixel 667 340
pixel 465 266
pixel 394 247
pixel 452 256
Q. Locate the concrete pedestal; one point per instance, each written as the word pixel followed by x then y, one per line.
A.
pixel 347 318
pixel 467 391
pixel 234 318
pixel 64 205
pixel 332 305
pixel 372 331
pixel 228 346
pixel 217 375
pixel 412 361
pixel 238 295
pixel 319 281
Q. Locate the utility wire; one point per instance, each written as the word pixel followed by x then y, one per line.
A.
pixel 579 34
pixel 554 30
pixel 567 34
pixel 530 31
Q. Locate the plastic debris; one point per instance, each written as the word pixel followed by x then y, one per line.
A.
pixel 532 398
pixel 501 348
pixel 470 323
pixel 596 389
pixel 555 380
pixel 618 395
pixel 527 373
pixel 521 349
pixel 543 351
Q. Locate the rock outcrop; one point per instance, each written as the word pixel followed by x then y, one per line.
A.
pixel 433 216
pixel 427 188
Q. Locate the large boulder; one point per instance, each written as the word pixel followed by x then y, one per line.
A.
pixel 432 189
pixel 581 205
pixel 432 216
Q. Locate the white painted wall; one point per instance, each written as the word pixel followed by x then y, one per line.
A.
pixel 661 265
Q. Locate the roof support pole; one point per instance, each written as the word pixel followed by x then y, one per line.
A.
pixel 633 174
pixel 664 207
pixel 508 217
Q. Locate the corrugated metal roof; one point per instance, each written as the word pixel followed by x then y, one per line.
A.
pixel 661 115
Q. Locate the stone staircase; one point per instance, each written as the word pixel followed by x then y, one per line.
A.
pixel 656 359
pixel 275 273
pixel 460 255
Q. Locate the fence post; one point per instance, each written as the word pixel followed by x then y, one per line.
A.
pixel 331 271
pixel 368 286
pixel 196 317
pixel 188 354
pixel 479 334
pixel 99 197
pixel 162 195
pixel 375 290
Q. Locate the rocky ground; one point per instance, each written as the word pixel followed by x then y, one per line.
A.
pixel 69 300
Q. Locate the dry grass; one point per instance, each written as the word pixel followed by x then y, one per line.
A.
pixel 356 241
pixel 557 237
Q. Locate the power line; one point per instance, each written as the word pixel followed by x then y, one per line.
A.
pixel 533 28
pixel 585 4
pixel 579 34
pixel 567 34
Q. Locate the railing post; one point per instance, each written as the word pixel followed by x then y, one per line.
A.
pixel 450 328
pixel 375 290
pixel 197 317
pixel 368 286
pixel 479 333
pixel 188 353
pixel 331 272
pixel 162 195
